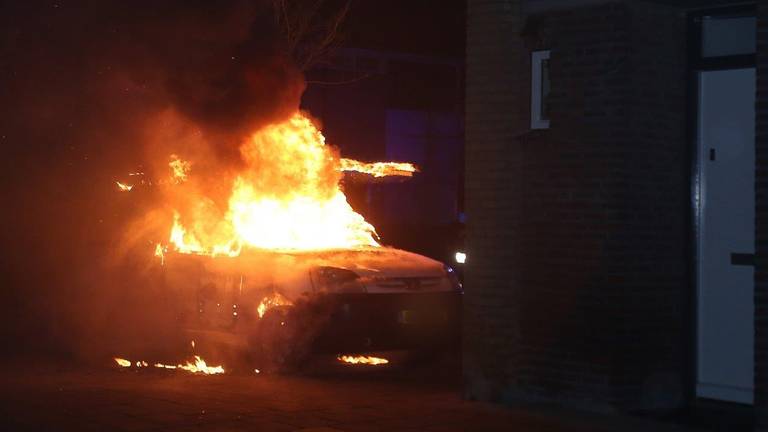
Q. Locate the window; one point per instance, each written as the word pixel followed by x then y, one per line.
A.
pixel 728 35
pixel 539 89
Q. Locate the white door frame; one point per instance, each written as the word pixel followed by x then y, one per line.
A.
pixel 725 289
pixel 738 59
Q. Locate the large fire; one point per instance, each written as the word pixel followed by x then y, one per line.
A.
pixel 288 197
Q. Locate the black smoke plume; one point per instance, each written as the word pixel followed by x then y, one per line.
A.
pixel 79 82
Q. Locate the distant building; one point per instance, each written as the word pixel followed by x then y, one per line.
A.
pixel 617 203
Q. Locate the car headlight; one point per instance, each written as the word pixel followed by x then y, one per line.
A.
pixel 336 280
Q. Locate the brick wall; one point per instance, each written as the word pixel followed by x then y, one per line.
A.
pixel 495 113
pixel 761 220
pixel 577 235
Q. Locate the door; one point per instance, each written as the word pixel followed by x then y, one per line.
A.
pixel 725 315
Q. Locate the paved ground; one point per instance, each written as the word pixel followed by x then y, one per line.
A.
pixel 50 398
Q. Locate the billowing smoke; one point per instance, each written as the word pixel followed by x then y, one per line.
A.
pixel 94 89
pixel 226 69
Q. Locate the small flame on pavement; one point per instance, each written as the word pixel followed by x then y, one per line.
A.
pixel 368 360
pixel 164 366
pixel 199 366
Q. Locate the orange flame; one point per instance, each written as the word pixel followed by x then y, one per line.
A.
pixel 379 169
pixel 287 198
pixel 188 243
pixel 164 366
pixel 368 360
pixel 271 301
pixel 199 366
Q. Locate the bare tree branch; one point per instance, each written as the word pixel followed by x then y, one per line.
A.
pixel 310 29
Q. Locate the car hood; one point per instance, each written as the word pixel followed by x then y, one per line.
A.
pixel 291 270
pixel 383 262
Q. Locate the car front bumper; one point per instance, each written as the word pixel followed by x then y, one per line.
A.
pixel 391 321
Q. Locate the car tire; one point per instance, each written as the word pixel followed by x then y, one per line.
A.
pixel 276 342
pixel 285 336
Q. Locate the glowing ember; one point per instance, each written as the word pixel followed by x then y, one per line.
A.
pixel 368 360
pixel 379 169
pixel 271 301
pixel 122 362
pixel 179 169
pixel 122 187
pixel 288 197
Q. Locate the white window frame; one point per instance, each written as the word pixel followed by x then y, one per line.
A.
pixel 537 120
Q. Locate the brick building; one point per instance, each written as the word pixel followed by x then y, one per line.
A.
pixel 616 179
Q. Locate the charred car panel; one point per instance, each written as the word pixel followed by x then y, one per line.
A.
pixel 377 298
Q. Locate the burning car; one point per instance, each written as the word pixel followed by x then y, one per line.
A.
pixel 274 261
pixel 279 306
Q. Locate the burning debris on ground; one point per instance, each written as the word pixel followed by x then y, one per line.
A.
pixel 197 365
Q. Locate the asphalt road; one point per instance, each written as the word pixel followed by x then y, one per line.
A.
pixel 328 398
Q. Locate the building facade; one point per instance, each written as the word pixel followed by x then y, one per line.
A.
pixel 616 208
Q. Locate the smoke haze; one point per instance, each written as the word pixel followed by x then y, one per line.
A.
pixel 94 90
